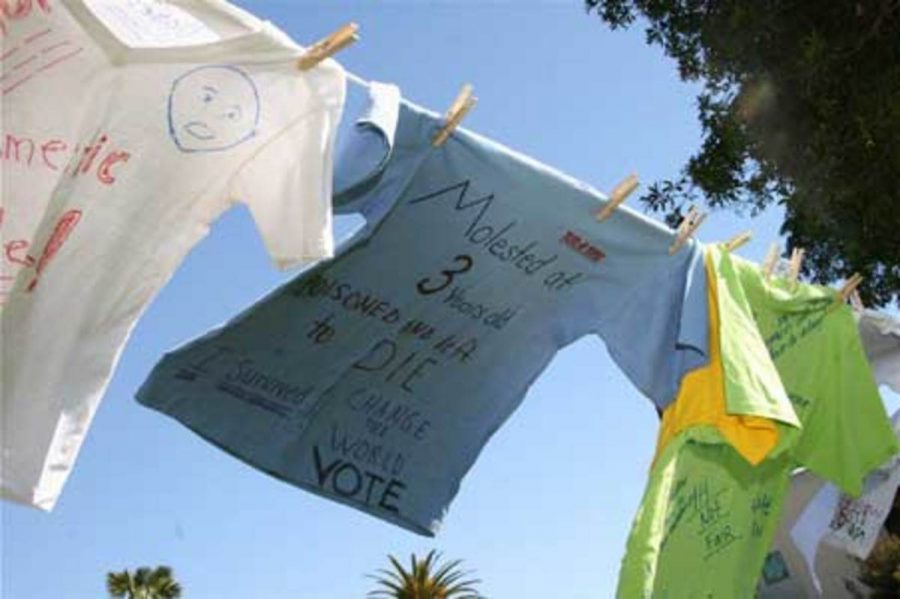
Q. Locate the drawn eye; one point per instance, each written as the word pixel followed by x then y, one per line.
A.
pixel 207 98
pixel 234 114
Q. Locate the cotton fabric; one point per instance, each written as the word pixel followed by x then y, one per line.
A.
pixel 814 344
pixel 701 399
pixel 705 522
pixel 823 525
pixel 128 128
pixel 880 334
pixel 699 492
pixel 375 379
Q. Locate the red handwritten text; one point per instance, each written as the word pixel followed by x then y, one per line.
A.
pixel 15 10
pixel 61 232
pixel 54 154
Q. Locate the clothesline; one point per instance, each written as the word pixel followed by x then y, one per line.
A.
pixel 375 378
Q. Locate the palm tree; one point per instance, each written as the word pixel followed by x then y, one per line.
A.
pixel 144 584
pixel 425 580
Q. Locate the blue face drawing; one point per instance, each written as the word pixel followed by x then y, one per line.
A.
pixel 212 108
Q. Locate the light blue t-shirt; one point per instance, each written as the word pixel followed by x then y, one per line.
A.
pixel 376 378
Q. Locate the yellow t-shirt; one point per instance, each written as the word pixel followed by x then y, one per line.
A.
pixel 701 399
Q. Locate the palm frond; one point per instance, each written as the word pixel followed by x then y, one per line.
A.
pixel 448 567
pixel 404 575
pixel 426 578
pixel 119 584
pixel 158 583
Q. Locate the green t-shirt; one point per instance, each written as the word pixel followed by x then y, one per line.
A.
pixel 753 385
pixel 814 343
pixel 705 523
pixel 708 517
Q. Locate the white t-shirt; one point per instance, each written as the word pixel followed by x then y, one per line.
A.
pixel 127 127
pixel 880 334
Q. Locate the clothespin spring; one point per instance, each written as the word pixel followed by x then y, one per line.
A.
pixel 688 226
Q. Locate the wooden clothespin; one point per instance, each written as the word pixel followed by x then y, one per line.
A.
pixel 770 260
pixel 796 263
pixel 332 44
pixel 856 301
pixel 849 290
pixel 618 195
pixel 464 102
pixel 691 223
pixel 738 240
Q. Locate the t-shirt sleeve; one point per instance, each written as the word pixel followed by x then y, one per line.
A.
pixel 693 328
pixel 753 385
pixel 814 343
pixel 364 147
pixel 660 330
pixel 287 187
pixel 850 435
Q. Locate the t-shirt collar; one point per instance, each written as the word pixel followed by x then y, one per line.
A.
pixel 261 42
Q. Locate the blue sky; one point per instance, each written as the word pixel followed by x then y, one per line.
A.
pixel 546 509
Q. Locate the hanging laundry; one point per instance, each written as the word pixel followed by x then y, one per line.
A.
pixel 375 379
pixel 854 523
pixel 708 507
pixel 706 510
pixel 784 573
pixel 814 343
pixel 880 335
pixel 127 128
pixel 827 527
pixel 824 535
pixel 705 521
pixel 702 398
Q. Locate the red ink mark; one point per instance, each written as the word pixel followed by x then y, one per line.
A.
pixel 6 90
pixel 31 58
pixel 50 49
pixel 90 153
pixel 59 60
pixel 60 234
pixel 9 53
pixel 41 69
pixel 17 245
pixel 53 145
pixel 104 171
pixel 38 35
pixel 583 246
pixel 14 146
pixel 19 9
pixel 95 158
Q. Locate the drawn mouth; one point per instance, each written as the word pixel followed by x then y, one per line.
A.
pixel 199 130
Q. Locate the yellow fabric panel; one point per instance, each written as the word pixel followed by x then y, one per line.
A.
pixel 701 399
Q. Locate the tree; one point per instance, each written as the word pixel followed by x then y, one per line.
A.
pixel 425 580
pixel 144 584
pixel 800 106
